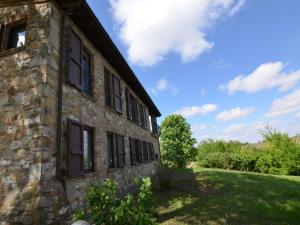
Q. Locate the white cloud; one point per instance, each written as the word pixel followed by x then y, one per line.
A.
pixel 201 131
pixel 151 29
pixel 197 110
pixel 245 133
pixel 266 76
pixel 287 104
pixel 235 113
pixel 237 7
pixel 164 85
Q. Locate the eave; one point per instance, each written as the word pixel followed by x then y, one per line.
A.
pixel 88 23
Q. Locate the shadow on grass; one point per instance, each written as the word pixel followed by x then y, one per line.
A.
pixel 224 197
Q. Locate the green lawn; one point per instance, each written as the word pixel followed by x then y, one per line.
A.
pixel 213 196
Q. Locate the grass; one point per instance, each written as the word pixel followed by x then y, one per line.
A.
pixel 222 197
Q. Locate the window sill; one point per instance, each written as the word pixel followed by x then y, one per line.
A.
pixel 88 96
pixel 12 51
pixel 144 128
pixel 108 108
pixel 83 93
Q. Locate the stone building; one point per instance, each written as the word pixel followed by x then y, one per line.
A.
pixel 71 111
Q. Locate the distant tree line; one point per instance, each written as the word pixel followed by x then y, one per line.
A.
pixel 279 154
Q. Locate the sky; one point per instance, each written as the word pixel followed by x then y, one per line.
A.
pixel 230 67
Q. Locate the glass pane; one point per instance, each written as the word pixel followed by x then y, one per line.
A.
pixel 110 151
pixel 87 162
pixel 86 73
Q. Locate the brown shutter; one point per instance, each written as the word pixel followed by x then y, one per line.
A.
pixel 132 151
pixel 128 104
pixel 75 153
pixel 75 60
pixel 144 117
pixel 2 28
pixel 107 87
pixel 120 151
pixel 117 94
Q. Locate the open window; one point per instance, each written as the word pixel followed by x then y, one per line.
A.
pixel 80 64
pixel 13 35
pixel 80 149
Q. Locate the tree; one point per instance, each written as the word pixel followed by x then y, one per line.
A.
pixel 177 143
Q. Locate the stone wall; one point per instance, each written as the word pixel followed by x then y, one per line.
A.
pixel 94 113
pixel 29 190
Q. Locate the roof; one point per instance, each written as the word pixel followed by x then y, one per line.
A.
pixel 86 20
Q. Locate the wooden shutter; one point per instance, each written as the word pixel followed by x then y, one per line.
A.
pixel 107 87
pixel 120 151
pixel 75 149
pixel 75 60
pixel 141 115
pixel 2 28
pixel 145 118
pixel 135 110
pixel 128 104
pixel 117 94
pixel 145 150
pixel 132 151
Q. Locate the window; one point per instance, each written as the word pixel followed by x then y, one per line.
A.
pixel 107 87
pixel 120 151
pixel 135 110
pixel 128 104
pixel 86 71
pixel 80 149
pixel 117 94
pixel 80 63
pixel 110 150
pixel 150 151
pixel 132 151
pixel 13 35
pixel 113 94
pixel 154 125
pixel 116 150
pixel 138 151
pixel 87 148
pixel 145 152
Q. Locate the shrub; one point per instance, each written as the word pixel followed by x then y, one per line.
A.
pixel 104 207
pixel 280 155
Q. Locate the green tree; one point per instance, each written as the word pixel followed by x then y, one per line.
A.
pixel 177 143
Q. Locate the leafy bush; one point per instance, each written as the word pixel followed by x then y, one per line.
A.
pixel 280 155
pixel 104 207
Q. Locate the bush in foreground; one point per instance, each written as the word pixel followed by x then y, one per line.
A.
pixel 104 207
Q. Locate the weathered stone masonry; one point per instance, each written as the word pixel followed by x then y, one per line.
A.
pixel 29 190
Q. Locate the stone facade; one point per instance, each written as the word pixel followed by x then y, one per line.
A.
pixel 29 190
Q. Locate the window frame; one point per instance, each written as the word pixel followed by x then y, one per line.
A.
pixel 91 130
pixel 70 153
pixel 6 32
pixel 83 49
pixel 122 152
pixel 87 52
pixel 117 95
pixel 111 149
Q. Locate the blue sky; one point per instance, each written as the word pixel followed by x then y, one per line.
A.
pixel 231 67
